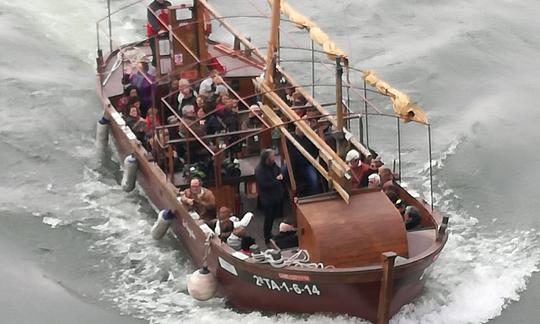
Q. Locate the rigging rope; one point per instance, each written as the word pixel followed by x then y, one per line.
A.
pixel 300 259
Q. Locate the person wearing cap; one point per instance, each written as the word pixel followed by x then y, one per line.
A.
pixel 357 167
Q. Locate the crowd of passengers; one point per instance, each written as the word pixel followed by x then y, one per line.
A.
pixel 209 109
pixel 204 110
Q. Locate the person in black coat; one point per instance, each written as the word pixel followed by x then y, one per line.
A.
pixel 304 172
pixel 270 187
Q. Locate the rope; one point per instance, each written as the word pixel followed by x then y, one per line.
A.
pixel 300 260
pixel 207 248
pixel 122 54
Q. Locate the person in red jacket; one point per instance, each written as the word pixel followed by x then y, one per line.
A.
pixel 158 18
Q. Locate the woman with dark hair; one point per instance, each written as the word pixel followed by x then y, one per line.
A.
pixel 136 123
pixel 123 103
pixel 270 188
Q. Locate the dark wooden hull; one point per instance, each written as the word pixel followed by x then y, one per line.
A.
pixel 249 286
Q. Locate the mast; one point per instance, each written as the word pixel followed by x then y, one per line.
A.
pixel 272 44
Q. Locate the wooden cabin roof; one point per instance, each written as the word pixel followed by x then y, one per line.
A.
pixel 355 234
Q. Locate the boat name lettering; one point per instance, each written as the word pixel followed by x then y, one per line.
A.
pixel 299 288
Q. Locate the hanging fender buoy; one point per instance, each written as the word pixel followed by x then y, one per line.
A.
pixel 202 284
pixel 162 224
pixel 102 137
pixel 130 173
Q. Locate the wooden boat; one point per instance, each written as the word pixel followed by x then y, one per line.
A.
pixel 372 264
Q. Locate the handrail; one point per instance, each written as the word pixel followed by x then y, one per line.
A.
pixel 250 47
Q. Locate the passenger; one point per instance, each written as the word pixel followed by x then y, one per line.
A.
pixel 157 26
pixel 186 95
pixel 190 118
pixel 386 175
pixel 374 181
pixel 133 102
pixel 152 120
pixel 226 228
pixel 123 103
pixel 205 88
pixel 270 188
pixel 302 168
pixel 199 103
pixel 199 199
pixel 239 226
pixel 213 123
pixel 357 167
pixel 287 237
pixel 136 123
pixel 289 91
pixel 144 82
pixel 245 245
pixel 221 102
pixel 213 85
pixel 412 218
pixel 373 168
pixel 324 129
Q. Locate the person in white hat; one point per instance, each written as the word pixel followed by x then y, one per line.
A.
pixel 357 167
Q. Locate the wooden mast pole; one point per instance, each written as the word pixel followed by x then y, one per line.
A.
pixel 272 44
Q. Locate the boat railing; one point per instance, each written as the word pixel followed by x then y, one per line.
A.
pixel 361 91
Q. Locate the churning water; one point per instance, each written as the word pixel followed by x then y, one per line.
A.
pixel 75 247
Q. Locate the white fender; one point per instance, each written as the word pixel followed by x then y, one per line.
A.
pixel 102 137
pixel 130 173
pixel 162 224
pixel 202 284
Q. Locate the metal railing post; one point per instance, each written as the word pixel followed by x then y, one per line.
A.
pixel 97 35
pixel 110 24
pixel 430 166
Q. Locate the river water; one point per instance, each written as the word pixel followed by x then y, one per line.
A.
pixel 76 248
